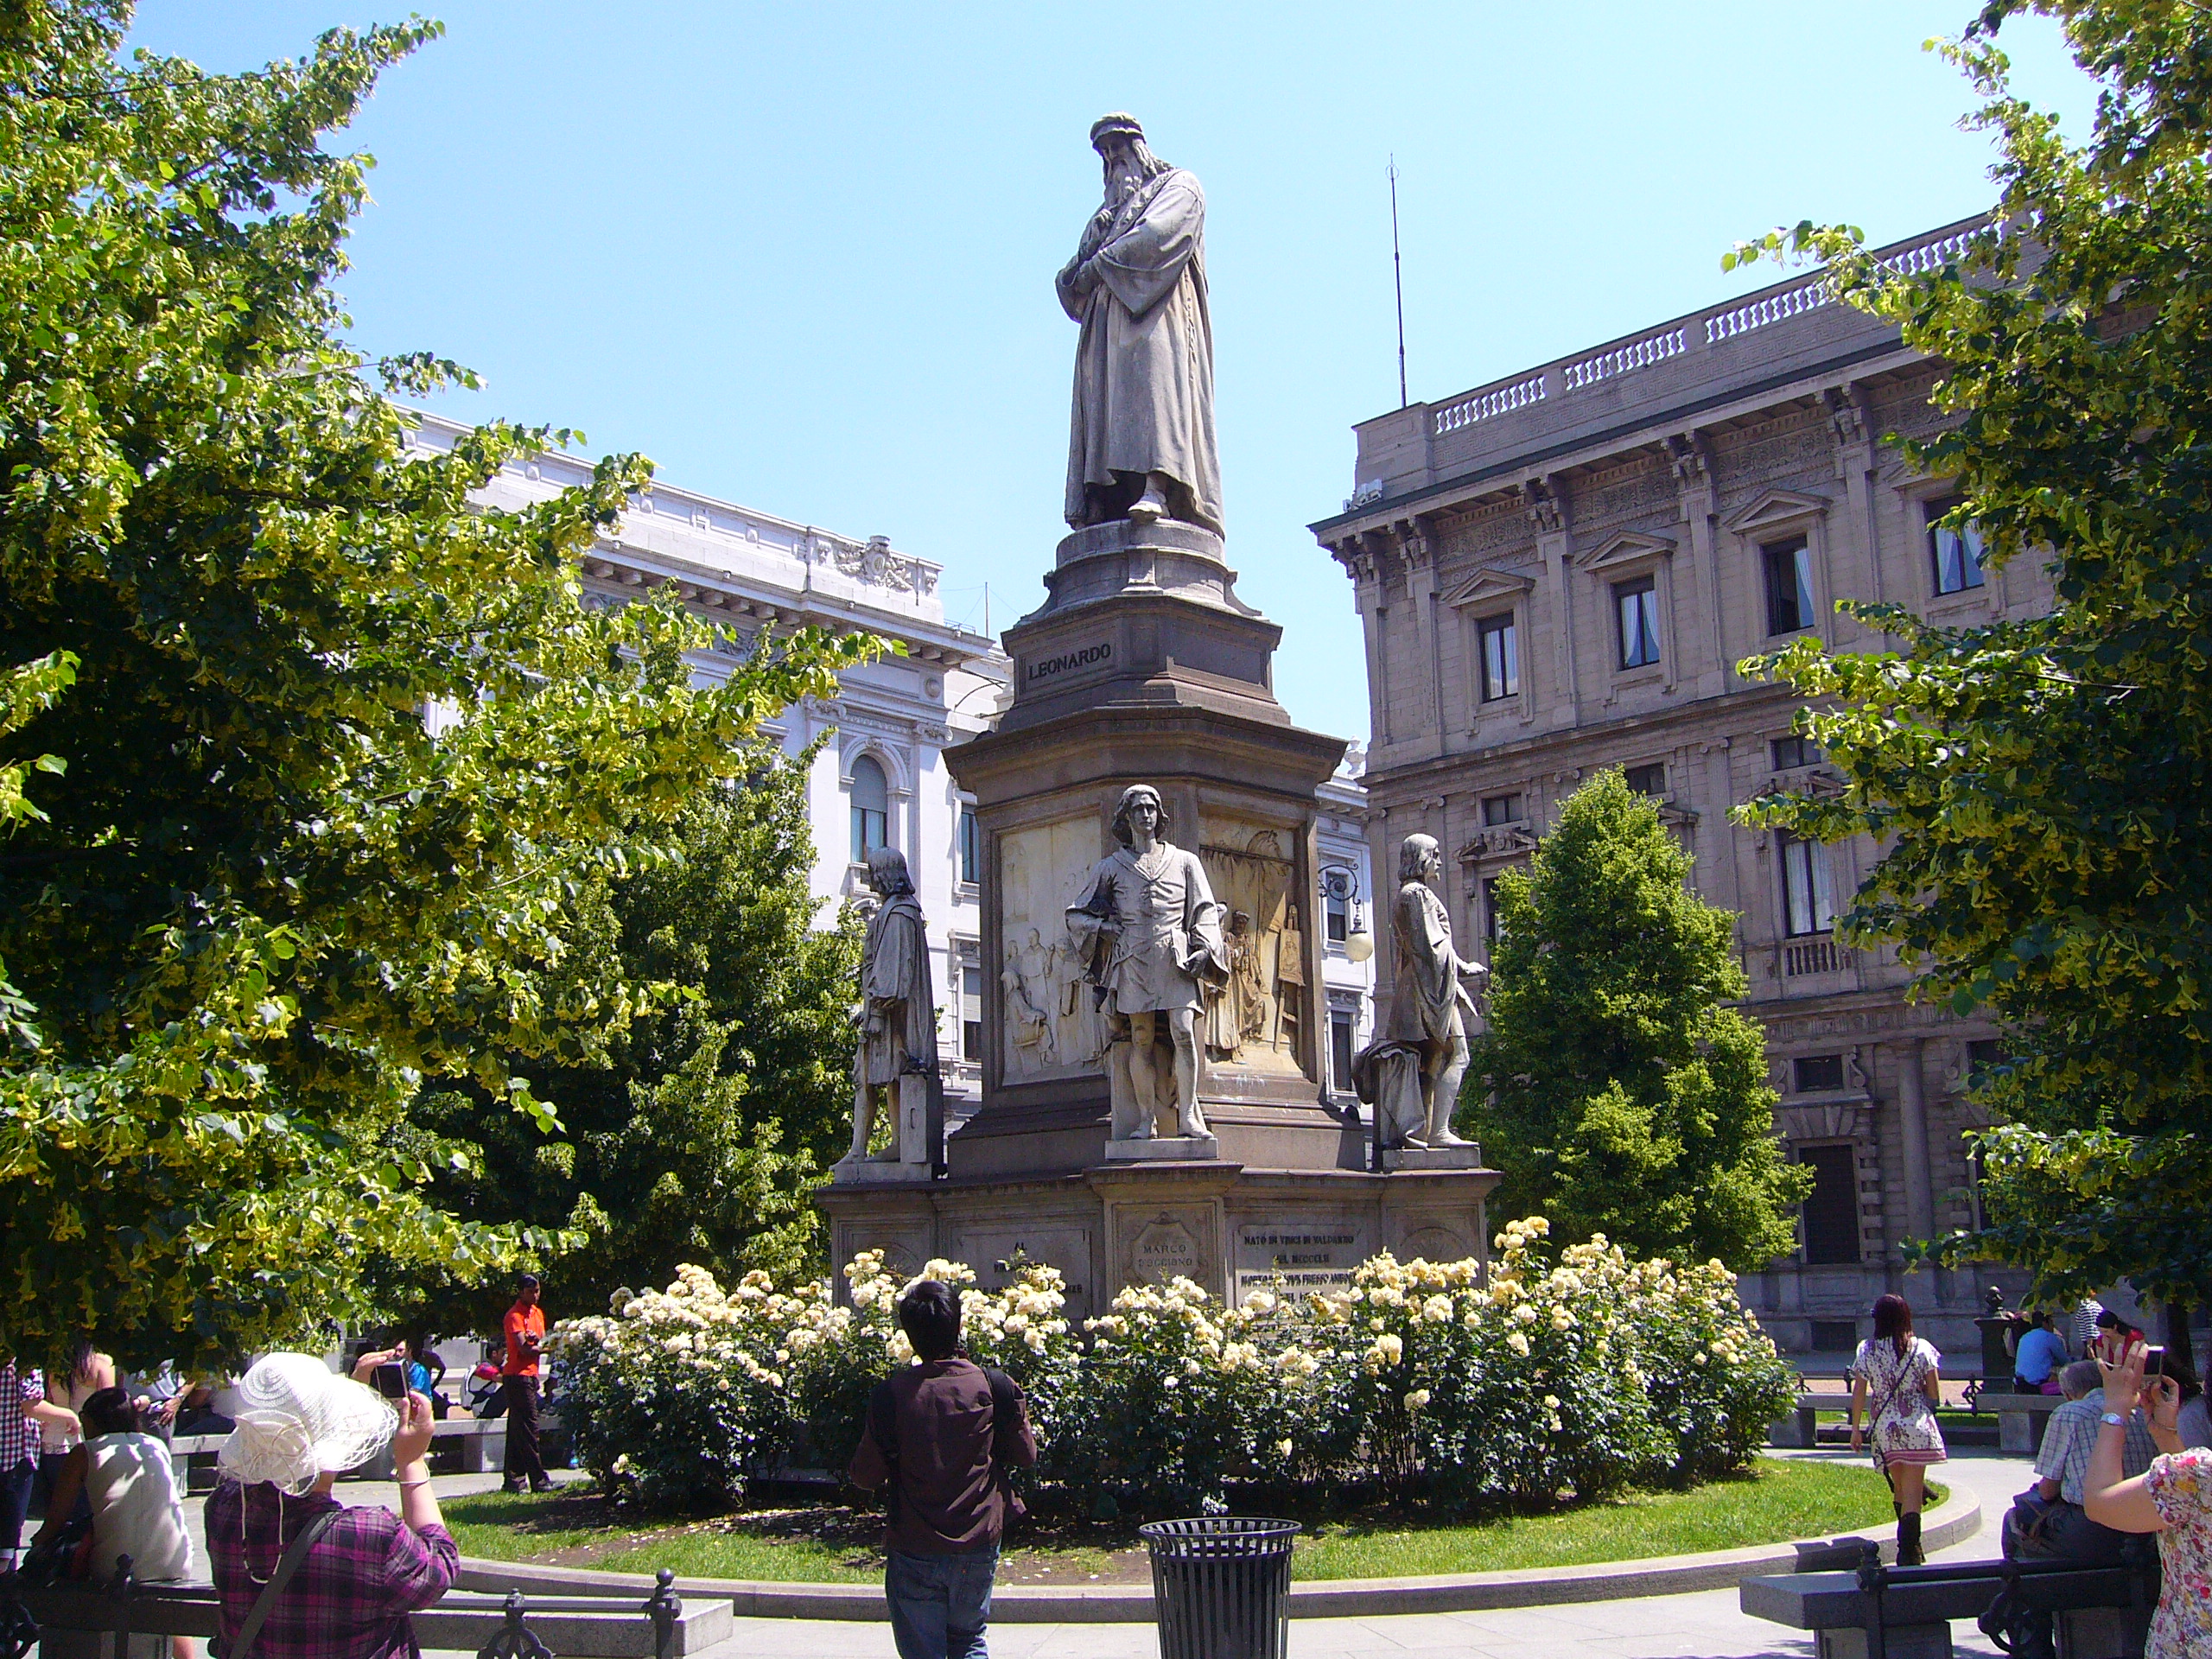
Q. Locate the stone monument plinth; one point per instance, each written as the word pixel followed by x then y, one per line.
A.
pixel 1142 729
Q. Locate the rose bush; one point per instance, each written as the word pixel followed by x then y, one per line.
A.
pixel 1551 1377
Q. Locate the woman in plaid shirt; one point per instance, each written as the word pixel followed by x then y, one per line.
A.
pixel 300 1428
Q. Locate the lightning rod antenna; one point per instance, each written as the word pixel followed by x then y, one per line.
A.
pixel 1398 281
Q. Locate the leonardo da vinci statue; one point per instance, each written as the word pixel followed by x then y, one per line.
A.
pixel 1140 442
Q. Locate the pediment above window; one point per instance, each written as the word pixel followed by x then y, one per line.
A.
pixel 1491 586
pixel 1630 550
pixel 1776 510
pixel 1498 842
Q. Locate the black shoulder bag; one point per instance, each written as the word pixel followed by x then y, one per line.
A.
pixel 265 1603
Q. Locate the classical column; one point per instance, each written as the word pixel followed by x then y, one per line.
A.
pixel 1912 1126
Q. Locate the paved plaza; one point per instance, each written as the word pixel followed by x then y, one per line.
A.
pixel 1705 1625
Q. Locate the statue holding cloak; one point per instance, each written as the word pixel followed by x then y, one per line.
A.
pixel 1141 442
pixel 1150 935
pixel 895 1017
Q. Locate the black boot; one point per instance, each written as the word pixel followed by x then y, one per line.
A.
pixel 1909 1551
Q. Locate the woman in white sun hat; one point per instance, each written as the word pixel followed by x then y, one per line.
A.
pixel 298 1574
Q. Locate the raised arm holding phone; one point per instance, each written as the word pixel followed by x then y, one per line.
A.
pixel 2172 1498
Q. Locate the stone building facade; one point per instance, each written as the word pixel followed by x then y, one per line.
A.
pixel 1560 571
pixel 1345 907
pixel 880 779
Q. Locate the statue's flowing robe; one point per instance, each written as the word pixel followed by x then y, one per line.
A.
pixel 895 986
pixel 1144 366
pixel 1425 996
pixel 1164 938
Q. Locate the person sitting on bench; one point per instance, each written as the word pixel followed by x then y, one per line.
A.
pixel 2048 1521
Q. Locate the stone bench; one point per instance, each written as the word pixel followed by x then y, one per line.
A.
pixel 1905 1612
pixel 1800 1427
pixel 2021 1417
pixel 81 1621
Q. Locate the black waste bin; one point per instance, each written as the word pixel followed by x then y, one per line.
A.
pixel 1221 1587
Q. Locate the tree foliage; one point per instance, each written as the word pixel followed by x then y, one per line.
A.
pixel 695 1138
pixel 2045 787
pixel 262 901
pixel 1613 1086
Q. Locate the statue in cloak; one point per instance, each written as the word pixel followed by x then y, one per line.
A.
pixel 1412 1075
pixel 1150 934
pixel 1140 442
pixel 896 1019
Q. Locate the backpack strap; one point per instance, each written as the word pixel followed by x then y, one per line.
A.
pixel 265 1603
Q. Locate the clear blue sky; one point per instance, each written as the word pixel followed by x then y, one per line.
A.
pixel 802 255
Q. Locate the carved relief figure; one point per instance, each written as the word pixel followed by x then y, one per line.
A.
pixel 1150 931
pixel 1025 981
pixel 1290 979
pixel 1413 1074
pixel 896 1015
pixel 1140 440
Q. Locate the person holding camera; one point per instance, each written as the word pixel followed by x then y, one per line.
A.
pixel 297 1574
pixel 2171 1498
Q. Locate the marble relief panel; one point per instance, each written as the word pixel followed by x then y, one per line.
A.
pixel 1254 1024
pixel 1052 1028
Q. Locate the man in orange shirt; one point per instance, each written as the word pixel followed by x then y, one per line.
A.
pixel 525 1335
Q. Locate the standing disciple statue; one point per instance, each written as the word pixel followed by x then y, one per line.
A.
pixel 896 1015
pixel 1141 444
pixel 1429 1008
pixel 1151 931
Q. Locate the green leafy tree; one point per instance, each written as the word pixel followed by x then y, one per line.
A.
pixel 2045 787
pixel 1613 1085
pixel 695 1138
pixel 264 900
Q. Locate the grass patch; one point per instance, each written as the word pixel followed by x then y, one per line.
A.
pixel 1778 1499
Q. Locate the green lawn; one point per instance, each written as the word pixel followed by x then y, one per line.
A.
pixel 1781 1499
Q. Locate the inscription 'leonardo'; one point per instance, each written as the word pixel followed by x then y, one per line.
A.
pixel 1068 661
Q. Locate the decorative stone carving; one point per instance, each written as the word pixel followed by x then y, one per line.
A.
pixel 1411 1076
pixel 1149 933
pixel 896 1020
pixel 1141 442
pixel 1044 868
pixel 1253 1023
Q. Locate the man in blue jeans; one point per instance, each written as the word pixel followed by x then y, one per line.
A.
pixel 940 1436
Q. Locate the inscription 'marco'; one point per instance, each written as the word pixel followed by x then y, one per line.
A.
pixel 1068 661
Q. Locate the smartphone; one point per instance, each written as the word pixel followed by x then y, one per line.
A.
pixel 390 1381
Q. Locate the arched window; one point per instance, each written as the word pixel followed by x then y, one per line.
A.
pixel 871 808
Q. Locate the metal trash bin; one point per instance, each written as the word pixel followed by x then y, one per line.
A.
pixel 1221 1587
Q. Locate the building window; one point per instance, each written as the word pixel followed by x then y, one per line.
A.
pixel 1336 915
pixel 1490 908
pixel 1647 780
pixel 1832 1209
pixel 1793 752
pixel 1789 585
pixel 1501 809
pixel 971 847
pixel 1955 555
pixel 1637 602
pixel 971 1013
pixel 1977 1217
pixel 1501 643
pixel 1984 1056
pixel 1344 1033
pixel 1807 896
pixel 871 809
pixel 1818 1074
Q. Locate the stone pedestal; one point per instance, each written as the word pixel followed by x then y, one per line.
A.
pixel 1144 667
pixel 1467 1157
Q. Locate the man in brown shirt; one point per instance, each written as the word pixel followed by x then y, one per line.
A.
pixel 941 1435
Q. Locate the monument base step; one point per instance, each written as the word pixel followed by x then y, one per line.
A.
pixel 868 1172
pixel 1467 1157
pixel 1164 1149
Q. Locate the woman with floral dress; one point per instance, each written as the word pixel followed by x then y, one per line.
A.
pixel 1895 1384
pixel 2172 1498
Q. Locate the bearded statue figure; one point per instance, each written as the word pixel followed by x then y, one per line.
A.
pixel 895 1017
pixel 1150 936
pixel 1412 1073
pixel 1140 442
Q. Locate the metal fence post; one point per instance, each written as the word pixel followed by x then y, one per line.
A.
pixel 515 1640
pixel 665 1607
